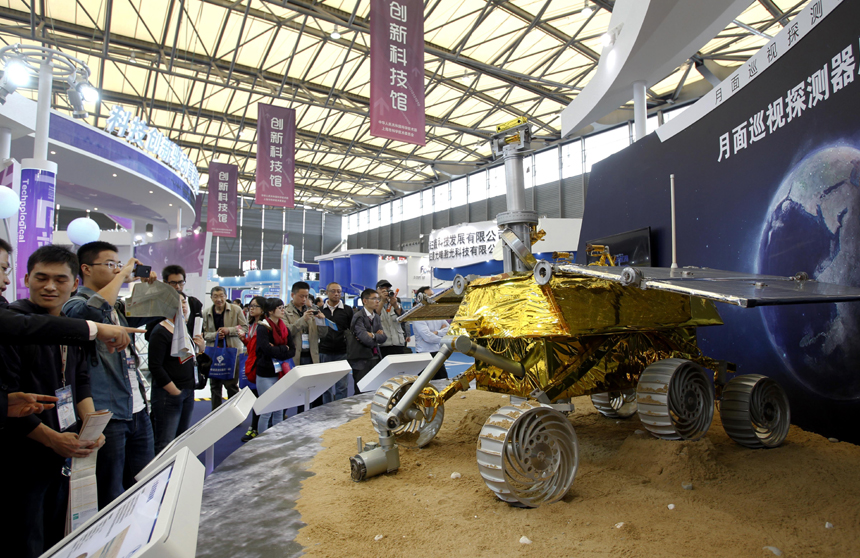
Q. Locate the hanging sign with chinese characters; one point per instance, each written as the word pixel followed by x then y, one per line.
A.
pixel 397 70
pixel 835 74
pixel 276 156
pixel 221 209
pixel 465 244
pixel 139 134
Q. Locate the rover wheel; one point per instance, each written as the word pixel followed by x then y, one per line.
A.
pixel 416 432
pixel 528 454
pixel 616 404
pixel 755 411
pixel 676 400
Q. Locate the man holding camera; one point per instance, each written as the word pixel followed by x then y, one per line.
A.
pixel 115 380
pixel 389 310
pixel 301 317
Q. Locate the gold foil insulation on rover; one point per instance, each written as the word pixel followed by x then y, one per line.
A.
pixel 576 335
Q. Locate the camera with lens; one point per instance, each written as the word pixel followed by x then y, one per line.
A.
pixel 313 309
pixel 390 293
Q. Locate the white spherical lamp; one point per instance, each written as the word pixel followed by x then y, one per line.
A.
pixel 9 202
pixel 83 230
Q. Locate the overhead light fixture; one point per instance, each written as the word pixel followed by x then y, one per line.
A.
pixel 335 34
pixel 53 152
pixel 77 102
pixel 15 75
pixel 587 10
pixel 95 209
pixel 149 229
pixel 608 39
pixel 18 72
pixel 114 175
pixel 132 58
pixel 170 204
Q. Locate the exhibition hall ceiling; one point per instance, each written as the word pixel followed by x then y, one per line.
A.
pixel 196 70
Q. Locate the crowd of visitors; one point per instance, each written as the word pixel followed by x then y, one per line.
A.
pixel 67 351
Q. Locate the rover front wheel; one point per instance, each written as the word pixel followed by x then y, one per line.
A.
pixel 423 425
pixel 528 454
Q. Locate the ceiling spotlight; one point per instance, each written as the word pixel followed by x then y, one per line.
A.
pixel 114 175
pixel 7 87
pixel 170 204
pixel 608 39
pixel 587 10
pixel 149 229
pixel 18 72
pixel 77 102
pixel 335 34
pixel 53 152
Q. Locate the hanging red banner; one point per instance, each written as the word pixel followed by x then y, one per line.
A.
pixel 397 70
pixel 276 156
pixel 222 210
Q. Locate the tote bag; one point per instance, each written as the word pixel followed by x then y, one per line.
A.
pixel 223 361
pixel 243 375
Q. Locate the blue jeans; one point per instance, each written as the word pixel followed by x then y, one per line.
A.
pixel 341 388
pixel 171 415
pixel 263 385
pixel 128 449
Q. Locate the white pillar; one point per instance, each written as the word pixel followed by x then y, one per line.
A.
pixel 5 144
pixel 43 111
pixel 640 110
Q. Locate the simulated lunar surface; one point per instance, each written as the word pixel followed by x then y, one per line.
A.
pixel 634 495
pixel 813 225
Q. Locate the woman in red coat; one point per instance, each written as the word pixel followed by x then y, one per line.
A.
pixel 256 313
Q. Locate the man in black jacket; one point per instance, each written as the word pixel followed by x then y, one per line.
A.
pixel 368 330
pixel 333 344
pixel 41 443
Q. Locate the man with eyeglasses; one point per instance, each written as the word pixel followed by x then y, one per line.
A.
pixel 333 344
pixel 115 379
pixel 174 275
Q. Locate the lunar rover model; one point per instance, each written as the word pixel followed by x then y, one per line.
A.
pixel 545 333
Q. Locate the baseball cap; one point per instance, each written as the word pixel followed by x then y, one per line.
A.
pixel 383 283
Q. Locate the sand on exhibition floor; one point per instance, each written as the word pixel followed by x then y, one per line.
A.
pixel 742 500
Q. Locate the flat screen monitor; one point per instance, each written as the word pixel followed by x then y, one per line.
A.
pixel 156 518
pixel 627 248
pixel 208 430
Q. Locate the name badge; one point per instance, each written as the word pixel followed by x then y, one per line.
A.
pixel 65 407
pixel 306 341
pixel 132 365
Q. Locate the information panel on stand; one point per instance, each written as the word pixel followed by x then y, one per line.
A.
pixel 157 517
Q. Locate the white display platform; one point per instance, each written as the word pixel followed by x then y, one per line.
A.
pixel 394 365
pixel 156 518
pixel 211 428
pixel 301 385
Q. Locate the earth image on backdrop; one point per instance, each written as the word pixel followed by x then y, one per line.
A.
pixel 813 225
